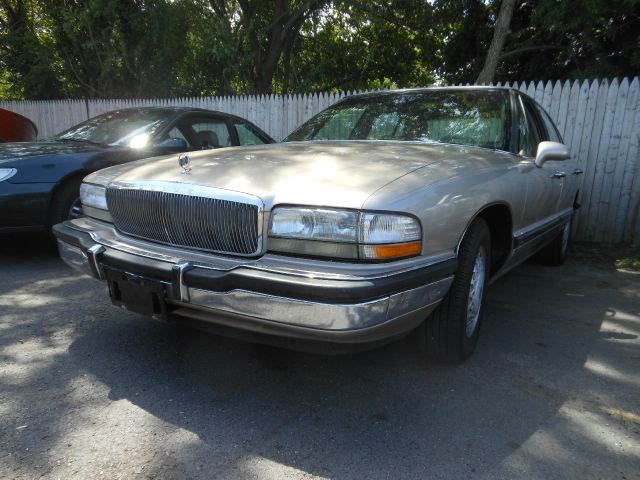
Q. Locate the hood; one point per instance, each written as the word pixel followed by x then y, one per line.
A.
pixel 332 174
pixel 10 152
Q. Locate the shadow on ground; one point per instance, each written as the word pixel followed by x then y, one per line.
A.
pixel 90 390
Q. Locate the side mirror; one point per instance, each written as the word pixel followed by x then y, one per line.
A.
pixel 551 151
pixel 172 144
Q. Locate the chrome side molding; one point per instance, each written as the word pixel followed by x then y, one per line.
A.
pixel 531 231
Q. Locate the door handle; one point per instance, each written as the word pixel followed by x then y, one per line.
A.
pixel 577 171
pixel 558 174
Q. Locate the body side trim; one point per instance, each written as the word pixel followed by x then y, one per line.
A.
pixel 540 227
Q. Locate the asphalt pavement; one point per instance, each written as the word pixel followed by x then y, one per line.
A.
pixel 90 391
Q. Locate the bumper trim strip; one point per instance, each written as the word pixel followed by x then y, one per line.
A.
pixel 93 254
pixel 180 290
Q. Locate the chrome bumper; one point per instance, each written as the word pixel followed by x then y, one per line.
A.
pixel 383 316
pixel 316 315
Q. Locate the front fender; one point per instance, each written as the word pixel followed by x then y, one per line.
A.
pixel 446 206
pixel 56 167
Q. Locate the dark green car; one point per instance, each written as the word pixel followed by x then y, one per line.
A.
pixel 40 181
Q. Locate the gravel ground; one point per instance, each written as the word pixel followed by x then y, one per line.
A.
pixel 89 391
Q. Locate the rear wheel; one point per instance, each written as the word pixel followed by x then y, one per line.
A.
pixel 451 332
pixel 555 253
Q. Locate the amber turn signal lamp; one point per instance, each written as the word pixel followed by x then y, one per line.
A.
pixel 386 252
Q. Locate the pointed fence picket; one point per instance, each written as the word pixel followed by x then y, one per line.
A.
pixel 599 120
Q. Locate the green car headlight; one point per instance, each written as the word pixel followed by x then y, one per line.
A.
pixel 7 173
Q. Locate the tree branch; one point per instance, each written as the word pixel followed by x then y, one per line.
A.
pixel 300 12
pixel 518 51
pixel 378 12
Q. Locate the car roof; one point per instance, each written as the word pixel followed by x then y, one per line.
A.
pixel 167 108
pixel 171 109
pixel 401 91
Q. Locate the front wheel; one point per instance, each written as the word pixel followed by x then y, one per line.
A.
pixel 451 332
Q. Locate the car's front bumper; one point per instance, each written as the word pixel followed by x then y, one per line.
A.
pixel 264 296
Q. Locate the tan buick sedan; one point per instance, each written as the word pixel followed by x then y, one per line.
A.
pixel 385 214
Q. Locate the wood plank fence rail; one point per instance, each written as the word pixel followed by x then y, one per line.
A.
pixel 599 119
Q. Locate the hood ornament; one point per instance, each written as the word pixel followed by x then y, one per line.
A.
pixel 184 162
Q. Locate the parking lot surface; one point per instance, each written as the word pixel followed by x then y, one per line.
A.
pixel 90 391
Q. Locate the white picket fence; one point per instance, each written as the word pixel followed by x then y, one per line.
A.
pixel 599 120
pixel 276 114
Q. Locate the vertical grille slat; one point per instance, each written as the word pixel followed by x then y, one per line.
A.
pixel 201 223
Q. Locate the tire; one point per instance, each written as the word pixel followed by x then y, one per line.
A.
pixel 66 197
pixel 450 334
pixel 555 253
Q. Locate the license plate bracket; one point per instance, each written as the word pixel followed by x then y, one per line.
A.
pixel 137 293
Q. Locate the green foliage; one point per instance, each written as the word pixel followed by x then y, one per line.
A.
pixel 208 64
pixel 117 48
pixel 628 263
pixel 28 63
pixel 572 39
pixel 596 38
pixel 463 29
pixel 156 48
pixel 354 48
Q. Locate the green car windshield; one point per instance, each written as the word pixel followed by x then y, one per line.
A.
pixel 119 127
pixel 475 118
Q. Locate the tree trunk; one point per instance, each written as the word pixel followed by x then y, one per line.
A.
pixel 268 45
pixel 500 32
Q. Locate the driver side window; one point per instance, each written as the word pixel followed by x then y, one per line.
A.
pixel 175 133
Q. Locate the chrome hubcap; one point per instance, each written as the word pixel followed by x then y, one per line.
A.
pixel 475 292
pixel 76 210
pixel 566 231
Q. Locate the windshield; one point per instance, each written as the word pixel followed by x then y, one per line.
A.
pixel 478 118
pixel 122 127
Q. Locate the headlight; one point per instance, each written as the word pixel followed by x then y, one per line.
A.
pixel 316 224
pixel 388 236
pixel 93 196
pixel 389 228
pixel 94 201
pixel 344 234
pixel 7 173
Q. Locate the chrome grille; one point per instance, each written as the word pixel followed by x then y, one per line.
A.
pixel 202 223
